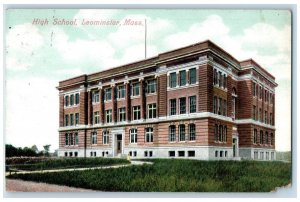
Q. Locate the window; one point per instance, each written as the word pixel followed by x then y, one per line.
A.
pixel 107 94
pixel 105 137
pixel 261 137
pixel 220 106
pixel 221 153
pixel 181 153
pixel 96 118
pixel 108 115
pixel 266 138
pixel 136 112
pixel 150 153
pixel 272 156
pixel 271 119
pixel 76 118
pixel 224 107
pixel 224 81
pixel 71 99
pixel 149 134
pixel 76 138
pixel 135 89
pixel 266 117
pixel 172 133
pixel 216 132
pixel 220 133
pixel 71 119
pixel 255 155
pixel 255 136
pixel 77 98
pixel 66 119
pixel 192 102
pixel 171 153
pixel 271 139
pixel 76 154
pixel 215 77
pixel 267 156
pixel 220 79
pixel 173 80
pixel 260 115
pixel 95 96
pixel 254 113
pixel 260 92
pixel 66 139
pixel 121 91
pixel 133 135
pixel 262 155
pixel 181 132
pixel 225 134
pixel 192 76
pixel 94 138
pixel 151 111
pixel 67 101
pixel 66 153
pixel 266 95
pixel 182 78
pixel 215 104
pixel 216 153
pixel 173 107
pixel 182 105
pixel 191 153
pixel 134 153
pixel 122 114
pixel 151 86
pixel 145 153
pixel 71 139
pixel 254 89
pixel 192 132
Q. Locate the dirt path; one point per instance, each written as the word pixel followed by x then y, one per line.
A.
pixel 28 186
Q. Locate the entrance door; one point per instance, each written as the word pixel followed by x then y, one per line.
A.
pixel 234 146
pixel 119 143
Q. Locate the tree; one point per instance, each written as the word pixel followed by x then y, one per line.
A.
pixel 46 149
pixel 34 148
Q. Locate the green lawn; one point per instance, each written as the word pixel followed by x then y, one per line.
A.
pixel 60 163
pixel 176 175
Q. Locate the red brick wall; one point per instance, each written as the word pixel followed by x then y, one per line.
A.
pixel 244 100
pixel 162 95
pixel 205 101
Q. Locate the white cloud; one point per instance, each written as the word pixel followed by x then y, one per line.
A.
pixel 31 112
pixel 21 42
pixel 96 14
pixel 96 52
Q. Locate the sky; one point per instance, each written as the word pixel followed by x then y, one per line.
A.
pixel 37 57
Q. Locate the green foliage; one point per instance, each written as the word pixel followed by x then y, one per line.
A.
pixel 11 151
pixel 176 175
pixel 60 163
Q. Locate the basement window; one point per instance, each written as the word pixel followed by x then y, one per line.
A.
pixel 191 153
pixel 150 154
pixel 171 153
pixel 181 153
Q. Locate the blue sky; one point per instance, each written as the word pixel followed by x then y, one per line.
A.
pixel 37 57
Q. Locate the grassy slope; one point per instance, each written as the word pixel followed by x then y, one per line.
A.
pixel 177 176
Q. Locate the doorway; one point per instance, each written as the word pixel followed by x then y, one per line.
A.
pixel 119 143
pixel 234 147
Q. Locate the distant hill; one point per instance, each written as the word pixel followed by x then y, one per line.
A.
pixel 284 156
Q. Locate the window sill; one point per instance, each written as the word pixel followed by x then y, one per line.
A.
pixel 71 106
pixel 135 96
pixel 151 94
pixel 95 103
pixel 120 99
pixel 107 101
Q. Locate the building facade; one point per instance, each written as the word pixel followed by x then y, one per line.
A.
pixel 193 102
